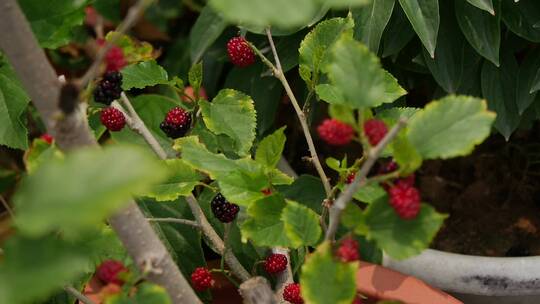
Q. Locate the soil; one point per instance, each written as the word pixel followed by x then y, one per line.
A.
pixel 492 197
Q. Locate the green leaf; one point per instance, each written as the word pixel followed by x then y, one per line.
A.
pixel 527 73
pixel 391 115
pixel 357 73
pixel 143 74
pixel 146 293
pixel 182 179
pixel 279 178
pixel 204 32
pixel 371 21
pixel 486 5
pixel 330 94
pixel 301 225
pixel 450 127
pixel 46 264
pixel 231 113
pixel 314 48
pixel 325 280
pixel 280 13
pixel 13 103
pixel 53 21
pixel 83 189
pixel 110 9
pixel 306 190
pixel 397 34
pixel 195 76
pixel 40 153
pixel 369 193
pixel 400 238
pixel 482 30
pixel 241 181
pixel 342 113
pixel 343 3
pixel 499 88
pixel 264 226
pixel 424 18
pixel 270 149
pixel 522 18
pixel 405 155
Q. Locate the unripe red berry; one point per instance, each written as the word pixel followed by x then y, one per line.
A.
pixel 405 200
pixel 291 294
pixel 176 123
pixel 113 119
pixel 240 52
pixel 375 130
pixel 335 132
pixel 109 270
pixel 275 263
pixel 115 59
pixel 348 250
pixel 47 138
pixel 201 279
pixel 350 178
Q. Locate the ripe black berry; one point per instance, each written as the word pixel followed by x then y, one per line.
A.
pixel 176 123
pixel 223 210
pixel 109 88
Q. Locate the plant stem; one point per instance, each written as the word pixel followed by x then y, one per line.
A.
pixel 191 223
pixel 79 296
pixel 131 18
pixel 72 132
pixel 278 73
pixel 6 205
pixel 360 180
pixel 137 125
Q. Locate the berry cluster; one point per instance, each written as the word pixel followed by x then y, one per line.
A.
pixel 109 88
pixel 335 132
pixel 109 272
pixel 240 53
pixel 223 210
pixel 115 59
pixel 405 198
pixel 201 279
pixel 348 250
pixel 291 294
pixel 176 123
pixel 275 263
pixel 113 119
pixel 375 130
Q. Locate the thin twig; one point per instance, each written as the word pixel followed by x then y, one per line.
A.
pixel 132 16
pixel 79 296
pixel 191 223
pixel 360 179
pixel 278 73
pixel 137 125
pixel 215 241
pixel 6 205
pixel 286 276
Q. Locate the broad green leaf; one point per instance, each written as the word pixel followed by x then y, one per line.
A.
pixel 450 127
pixel 424 18
pixel 326 280
pixel 53 21
pixel 270 148
pixel 522 18
pixel 371 21
pixel 46 264
pixel 134 51
pixel 264 226
pixel 279 178
pixel 306 190
pixel 391 115
pixel 453 54
pixel 146 293
pixel 13 103
pixel 369 193
pixel 181 181
pixel 358 75
pixel 400 238
pixel 342 113
pixel 397 34
pixel 343 3
pixel 499 88
pixel 482 30
pixel 195 76
pixel 143 74
pixel 40 153
pixel 152 109
pixel 486 5
pixel 330 94
pixel 204 32
pixel 314 48
pixel 110 9
pixel 280 13
pixel 84 188
pixel 241 181
pixel 231 113
pixel 525 80
pixel 405 154
pixel 301 225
